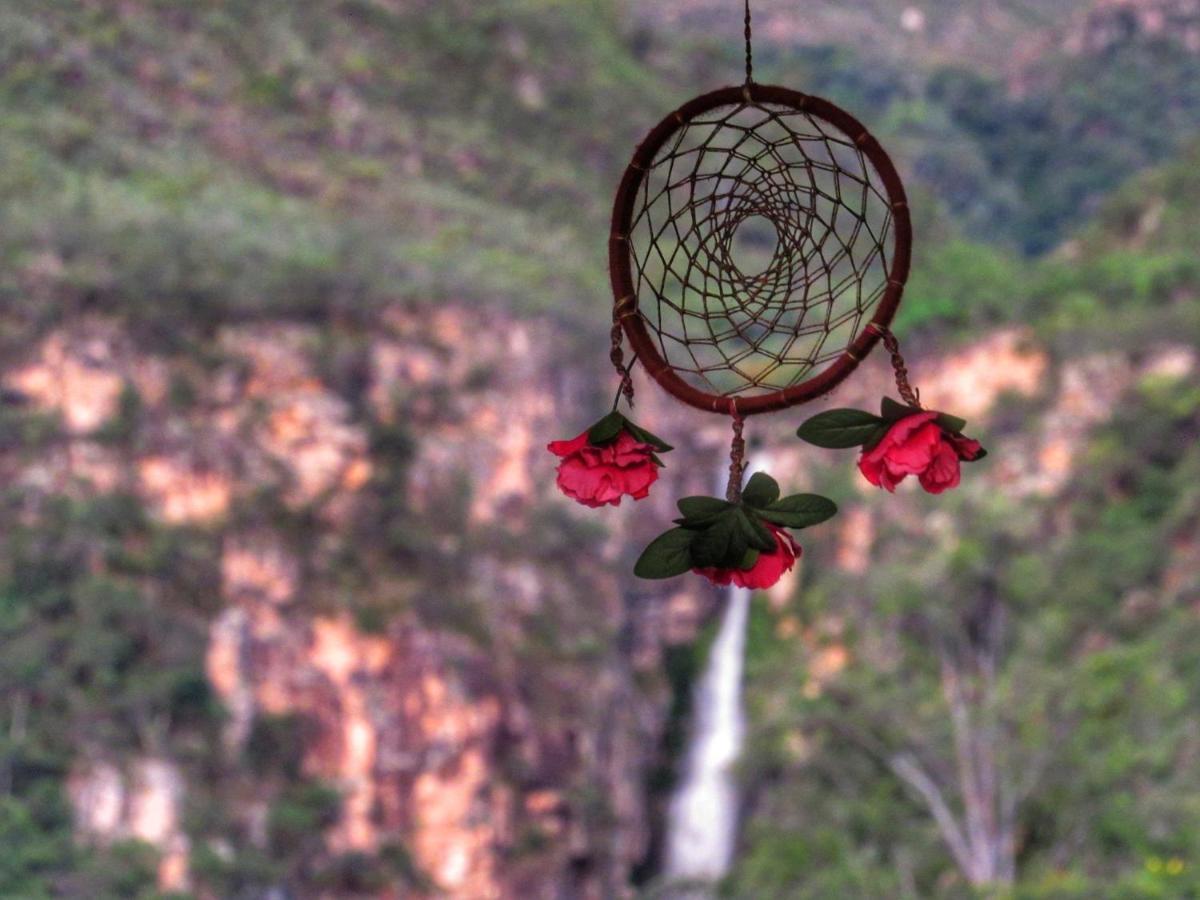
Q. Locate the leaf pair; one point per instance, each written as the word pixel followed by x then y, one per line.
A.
pixel 797 511
pixel 610 427
pixel 714 533
pixel 724 543
pixel 839 429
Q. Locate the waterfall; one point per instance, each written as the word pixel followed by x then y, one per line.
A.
pixel 702 818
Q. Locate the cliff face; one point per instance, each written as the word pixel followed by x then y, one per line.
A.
pixel 489 695
pixel 487 690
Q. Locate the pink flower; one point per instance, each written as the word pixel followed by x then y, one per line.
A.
pixel 767 569
pixel 917 445
pixel 596 476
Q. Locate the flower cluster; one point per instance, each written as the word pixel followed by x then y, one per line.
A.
pixel 901 441
pixel 611 460
pixel 742 543
pixel 918 445
pixel 745 540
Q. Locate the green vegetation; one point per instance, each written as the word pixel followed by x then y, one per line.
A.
pixel 1054 674
pixel 125 677
pixel 188 165
pixel 185 164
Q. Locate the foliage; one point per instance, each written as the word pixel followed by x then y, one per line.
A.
pixel 146 209
pixel 127 677
pixel 1088 711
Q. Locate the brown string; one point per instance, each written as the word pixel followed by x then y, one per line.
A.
pixel 617 355
pixel 749 51
pixel 737 459
pixel 908 393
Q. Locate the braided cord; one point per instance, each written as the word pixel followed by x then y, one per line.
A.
pixel 617 355
pixel 737 459
pixel 908 393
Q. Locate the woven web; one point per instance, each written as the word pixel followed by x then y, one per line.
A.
pixel 761 241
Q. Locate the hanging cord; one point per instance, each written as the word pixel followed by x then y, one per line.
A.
pixel 908 393
pixel 617 353
pixel 737 459
pixel 749 52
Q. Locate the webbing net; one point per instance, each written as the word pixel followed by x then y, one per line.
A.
pixel 761 241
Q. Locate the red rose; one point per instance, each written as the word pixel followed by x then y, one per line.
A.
pixel 917 445
pixel 767 569
pixel 595 476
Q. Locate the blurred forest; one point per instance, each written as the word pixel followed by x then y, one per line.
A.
pixel 293 293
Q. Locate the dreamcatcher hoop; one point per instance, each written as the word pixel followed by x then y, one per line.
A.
pixel 823 183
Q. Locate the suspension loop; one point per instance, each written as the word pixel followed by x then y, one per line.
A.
pixel 749 50
pixel 908 393
pixel 617 354
pixel 737 459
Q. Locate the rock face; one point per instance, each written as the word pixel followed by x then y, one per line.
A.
pixel 498 720
pixel 142 802
pixel 499 713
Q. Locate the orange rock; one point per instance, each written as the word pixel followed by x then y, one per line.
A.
pixel 75 378
pixel 179 493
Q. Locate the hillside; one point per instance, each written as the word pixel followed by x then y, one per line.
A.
pixel 292 297
pixel 291 160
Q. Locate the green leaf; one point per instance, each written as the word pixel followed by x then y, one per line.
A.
pixel 702 509
pixel 721 545
pixel 756 533
pixel 838 429
pixel 800 511
pixel 982 454
pixel 749 559
pixel 952 424
pixel 667 555
pixel 893 411
pixel 760 490
pixel 606 430
pixel 647 438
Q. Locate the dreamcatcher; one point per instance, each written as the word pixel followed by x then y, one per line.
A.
pixel 759 249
